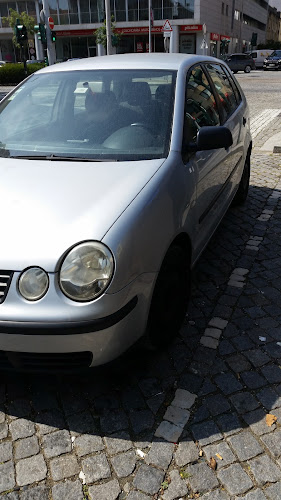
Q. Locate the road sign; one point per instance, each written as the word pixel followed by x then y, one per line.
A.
pixel 51 23
pixel 166 26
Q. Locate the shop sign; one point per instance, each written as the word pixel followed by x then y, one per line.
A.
pixel 191 27
pixel 225 38
pixel 75 33
pixel 138 30
pixel 215 36
pixel 187 44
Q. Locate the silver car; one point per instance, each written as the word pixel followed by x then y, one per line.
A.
pixel 115 173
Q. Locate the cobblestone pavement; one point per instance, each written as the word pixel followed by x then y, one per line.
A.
pixel 151 425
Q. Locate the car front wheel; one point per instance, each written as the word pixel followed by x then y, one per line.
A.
pixel 170 299
pixel 247 68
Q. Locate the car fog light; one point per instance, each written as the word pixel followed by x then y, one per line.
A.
pixel 33 283
pixel 86 271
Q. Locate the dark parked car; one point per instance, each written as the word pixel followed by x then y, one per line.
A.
pixel 273 61
pixel 240 62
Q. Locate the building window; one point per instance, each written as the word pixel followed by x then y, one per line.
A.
pixel 226 10
pixel 222 8
pixel 236 15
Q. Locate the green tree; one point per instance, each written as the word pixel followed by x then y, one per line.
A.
pixel 23 18
pixel 100 34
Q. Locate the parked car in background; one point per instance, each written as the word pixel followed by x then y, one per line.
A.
pixel 240 62
pixel 120 169
pixel 34 61
pixel 273 61
pixel 259 56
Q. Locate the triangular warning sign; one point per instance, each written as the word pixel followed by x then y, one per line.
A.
pixel 166 26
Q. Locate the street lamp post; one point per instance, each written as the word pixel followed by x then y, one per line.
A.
pixel 108 27
pixel 50 48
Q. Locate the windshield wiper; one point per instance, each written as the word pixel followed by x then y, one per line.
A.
pixel 53 157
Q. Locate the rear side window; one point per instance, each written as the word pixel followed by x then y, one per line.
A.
pixel 254 55
pixel 224 89
pixel 234 86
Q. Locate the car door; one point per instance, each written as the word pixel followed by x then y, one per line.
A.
pixel 210 168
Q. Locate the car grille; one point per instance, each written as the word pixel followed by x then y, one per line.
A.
pixel 5 281
pixel 45 362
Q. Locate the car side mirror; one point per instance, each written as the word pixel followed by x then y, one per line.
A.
pixel 212 138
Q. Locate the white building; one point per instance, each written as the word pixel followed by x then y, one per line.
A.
pixel 229 25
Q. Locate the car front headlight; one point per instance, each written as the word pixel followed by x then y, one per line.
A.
pixel 33 283
pixel 86 271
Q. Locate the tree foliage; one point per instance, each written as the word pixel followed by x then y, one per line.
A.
pixel 100 34
pixel 23 18
pixel 270 44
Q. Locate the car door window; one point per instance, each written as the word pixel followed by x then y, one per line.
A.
pixel 200 104
pixel 234 86
pixel 224 90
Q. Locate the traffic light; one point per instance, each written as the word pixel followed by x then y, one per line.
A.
pixel 254 39
pixel 114 40
pixel 21 33
pixel 53 36
pixel 41 30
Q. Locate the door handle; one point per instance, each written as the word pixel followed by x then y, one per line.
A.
pixel 244 121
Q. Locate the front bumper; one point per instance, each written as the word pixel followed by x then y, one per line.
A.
pixel 273 66
pixel 110 326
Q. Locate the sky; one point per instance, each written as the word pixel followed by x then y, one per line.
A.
pixel 275 3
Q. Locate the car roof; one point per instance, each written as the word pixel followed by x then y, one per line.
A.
pixel 131 61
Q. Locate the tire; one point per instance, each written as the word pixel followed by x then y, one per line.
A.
pixel 170 299
pixel 247 69
pixel 242 191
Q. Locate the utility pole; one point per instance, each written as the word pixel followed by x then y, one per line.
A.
pixel 149 28
pixel 108 27
pixel 50 48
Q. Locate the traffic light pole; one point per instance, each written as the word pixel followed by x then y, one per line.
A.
pixel 108 27
pixel 50 48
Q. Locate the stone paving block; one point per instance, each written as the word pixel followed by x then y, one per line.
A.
pixel 228 383
pixel 96 468
pixel 187 452
pixel 120 441
pixel 86 444
pixel 256 420
pixel 160 454
pixel 177 487
pixel 155 402
pixel 257 357
pixel 56 443
pixel 40 492
pixel 113 421
pixel 124 463
pixel 264 470
pixel 256 494
pixel 201 478
pixel 273 443
pixel 7 476
pixel 238 363
pixel 4 430
pixel 272 373
pixel 269 398
pixel 234 479
pixel 177 416
pixel 49 421
pixel 21 428
pixel 245 445
pixel 81 423
pixel 168 431
pixel 26 447
pixel 223 450
pixel 141 420
pixel 183 399
pixel 218 323
pixel 137 495
pixel 209 342
pixel 29 470
pixel 68 490
pixel 105 491
pixel 213 332
pixel 244 402
pixel 6 451
pixel 10 496
pixel 150 387
pixel 215 495
pixel 274 491
pixel 206 433
pixel 253 380
pixel 217 404
pixel 63 467
pixel 148 479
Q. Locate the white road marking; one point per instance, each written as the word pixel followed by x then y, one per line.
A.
pixel 261 121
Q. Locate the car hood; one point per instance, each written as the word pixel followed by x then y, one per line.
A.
pixel 48 206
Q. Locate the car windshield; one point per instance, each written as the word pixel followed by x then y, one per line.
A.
pixel 93 115
pixel 276 53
